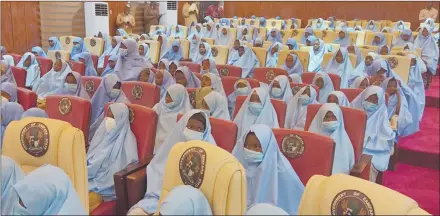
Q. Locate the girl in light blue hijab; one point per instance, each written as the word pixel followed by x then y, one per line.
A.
pixel 404 38
pixel 216 105
pixel 11 174
pixel 34 112
pixel 185 200
pixel 10 90
pixel 319 24
pixel 247 60
pixel 208 66
pixel 291 43
pixel 270 176
pixel 274 36
pixel 47 190
pixel 110 65
pixel 338 98
pixel 107 42
pixel 113 50
pixel 121 32
pixel 297 108
pixel 73 86
pixel 292 65
pixel 430 50
pixel 386 30
pixel 163 64
pixel 204 52
pixel 186 77
pixel 366 66
pixel 10 111
pixel 262 22
pixel 325 85
pixel 38 51
pixel 224 37
pixel 242 33
pixel 384 50
pixel 316 54
pixel 30 64
pixel 256 109
pixel 214 81
pixel 234 52
pixel 7 76
pixel 272 55
pixel 361 82
pixel 54 44
pixel 52 81
pixel 379 39
pixel 371 26
pixel 329 121
pixel 130 63
pixel 6 57
pixel 415 79
pixel 86 58
pixel 112 149
pixel 208 19
pixel 177 32
pixel 209 31
pixel 195 42
pixel 194 125
pixel 172 67
pixel 241 88
pixel 340 65
pixel 399 26
pixel 279 88
pixel 163 79
pixel 308 31
pixel 344 38
pixel 78 47
pixel 353 49
pixel 145 52
pixel 174 52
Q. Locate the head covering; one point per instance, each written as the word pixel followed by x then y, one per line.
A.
pixel 277 38
pixel 265 209
pixel 163 46
pixel 297 109
pixel 344 69
pixel 316 57
pixel 382 41
pixel 216 83
pixel 258 40
pixel 319 25
pixel 218 105
pixel 248 61
pixel 272 59
pixel 367 70
pixel 10 111
pixel 11 174
pixel 209 33
pixel 232 97
pixel 297 67
pixel 192 81
pixel 156 168
pixel 185 200
pixel 357 52
pixel 166 62
pixel 11 90
pixel 56 44
pixel 286 92
pixel 146 51
pixel 222 39
pixel 77 49
pixel 430 50
pixel 400 41
pixel 8 76
pixel 371 26
pixel 296 78
pixel 307 30
pixel 378 134
pixel 34 112
pixel 110 152
pixel 342 98
pixel 240 34
pixel 167 80
pixel 430 23
pixel 194 45
pixel 128 67
pixel 33 71
pixel 53 81
pixel 121 32
pixel 328 86
pixel 110 51
pixel 88 62
pixel 273 180
pixel 262 22
pixel 415 80
pixel 292 41
pixel 386 30
pixel 177 32
pixel 108 69
pixel 198 57
pixel 78 92
pixel 174 56
pixel 399 26
pixel 233 54
pixel 388 49
pixel 344 153
pixel 247 117
pixel 358 80
pixel 345 41
pixel 212 67
pixel 39 51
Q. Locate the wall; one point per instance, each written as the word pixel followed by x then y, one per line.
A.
pixel 137 10
pixel 20 26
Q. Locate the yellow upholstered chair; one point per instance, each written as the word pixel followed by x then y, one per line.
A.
pixel 67 42
pixel 271 23
pixel 220 54
pixel 289 23
pixel 261 55
pixel 309 22
pixel 154 49
pixel 400 64
pixel 360 40
pixel 407 24
pixel 263 33
pixel 267 44
pixel 253 22
pixel 215 172
pixel 353 37
pixel 94 45
pixel 33 142
pixel 184 44
pixel 366 49
pixel 297 34
pixel 55 54
pixel 134 36
pixel 369 36
pixel 351 23
pixel 210 41
pixel 326 23
pixel 378 25
pixel 342 194
pixel 399 52
pixel 233 32
pixel 181 28
pixel 302 55
pixel 234 21
pixel 328 56
pixel 305 48
pixel 286 34
pixel 330 36
pixel 154 28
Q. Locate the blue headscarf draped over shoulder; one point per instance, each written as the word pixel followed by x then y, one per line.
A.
pixel 174 56
pixel 325 91
pixel 79 48
pixel 345 69
pixel 39 51
pixel 56 44
pixel 316 56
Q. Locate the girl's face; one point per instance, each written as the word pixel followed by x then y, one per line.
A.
pixel 273 33
pixel 206 81
pixel 276 84
pixel 255 98
pixel 316 45
pixel 329 116
pixel 70 79
pixel 208 27
pixel 159 78
pixel 332 99
pixel 274 50
pixel 58 65
pixel 341 34
pixel 252 143
pixel 112 63
pixel 51 43
pixel 425 32
pixel 205 64
pixel 376 39
pixel 405 37
pixel 144 75
pixel 368 60
pixel 195 125
pixel 114 43
pixel 168 98
pixel 224 32
pixel 364 84
pixel 384 50
pixel 245 31
pixel 289 61
pixel 27 62
pixel 339 58
pixel 172 68
pixel 413 61
pixel 162 66
pixel 392 87
pixel 236 44
pixel 351 49
pixel 241 51
pixel 198 28
pixel 180 78
pixel 175 49
pixel 320 82
pixel 373 99
pixel 241 85
pixel 141 50
pixel 202 49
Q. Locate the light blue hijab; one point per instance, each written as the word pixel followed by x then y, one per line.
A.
pixel 166 82
pixel 216 83
pixel 248 61
pixel 273 180
pixel 388 49
pixel 177 32
pixel 325 91
pixel 364 69
pixel 80 48
pixel 358 80
pixel 296 78
pixel 297 108
pixel 379 136
pixel 185 200
pixel 316 57
pixel 277 37
pixel 358 54
pixel 146 51
pixel 192 81
pixel 174 56
pixel 241 36
pixel 345 70
pixel 342 98
pixel 47 190
pixel 263 22
pixel 10 111
pixel 233 54
pixel 308 30
pixel 399 26
pixel 32 72
pixel 371 26
pixel 11 174
pixel 110 51
pixel 222 39
pixel 121 32
pixel 292 42
pixel 272 59
pixel 247 115
pixel 194 45
pixel 382 41
pixel 415 80
pixel 286 91
pixel 218 105
pixel 166 62
pixel 209 33
pixel 39 51
pixel 90 69
pixel 56 44
pixel 8 77
pixel 345 41
pixel 265 209
pixel 129 67
pixel 400 42
pixel 319 25
pixel 199 57
pixel 11 90
pixel 237 92
pixel 53 81
pixel 34 112
pixel 212 67
pixel 79 91
pixel 108 69
pixel 156 168
pixel 344 154
pixel 297 67
pixel 430 50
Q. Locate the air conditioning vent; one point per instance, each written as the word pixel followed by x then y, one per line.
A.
pixel 101 10
pixel 171 5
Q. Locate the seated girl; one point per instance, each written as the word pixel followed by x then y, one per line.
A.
pixel 30 64
pixel 38 51
pixel 371 26
pixel 430 50
pixel 353 49
pixel 130 63
pixel 172 66
pixel 209 32
pixel 54 44
pixel 233 54
pixel 379 135
pixel 338 98
pixel 110 68
pixel 4 56
pixel 415 79
pixel 11 174
pixel 256 109
pixel 163 64
pixel 203 53
pixel 146 75
pixel 399 26
pixel 340 65
pixel 184 76
pixel 194 125
pixel 272 55
pixel 144 50
pixel 379 40
pixel 177 32
pixel 343 39
pixel 293 65
pixel 175 102
pixel 215 105
pixel 112 50
pixel 316 54
pixel 365 67
pixel 361 82
pixel 111 150
pixel 297 108
pixel 247 60
pixel 208 66
pixel 6 73
pixel 404 37
pixel 213 81
pixel 163 79
pixel 194 45
pixel 73 86
pixel 225 37
pixel 296 78
pixel 274 36
pixel 386 30
pixel 308 31
pixel 384 50
pixel 35 112
pixel 10 111
pixel 241 88
pixel 163 42
pixel 174 53
pixel 329 121
pixel 319 25
pixel 78 47
pixel 9 92
pixel 258 42
pixel 86 59
pixel 325 85
pixel 291 43
pixel 269 175
pixel 242 33
pixel 279 88
pixel 53 81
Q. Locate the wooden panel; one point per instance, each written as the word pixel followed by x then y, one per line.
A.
pixel 114 9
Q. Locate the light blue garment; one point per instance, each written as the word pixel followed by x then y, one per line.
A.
pixel 248 61
pixel 356 52
pixel 212 67
pixel 345 69
pixel 272 59
pixel 34 112
pixel 47 190
pixel 345 41
pixel 167 81
pixel 56 44
pixel 32 72
pixel 146 53
pixel 286 92
pixel 185 200
pixel 177 32
pixel 218 105
pixel 79 48
pixel 263 22
pixel 233 53
pixel 225 22
pixel 241 36
pixel 208 19
pixel 386 30
pixel 386 49
pixel 296 78
pixel 163 46
pixel 399 26
pixel 222 39
pixel 319 25
pixel 273 180
pixel 121 32
pixel 155 170
pixel 332 24
pixel 430 50
pixel 292 42
pixel 111 51
pixel 382 40
pixel 110 152
pixel 316 56
pixel 79 91
pixel 216 83
pixel 175 63
pixel 174 56
pixel 199 57
pixel 52 81
pixel 88 62
pixel 344 154
pixel 415 80
pixel 342 98
pixel 371 26
pixel 379 136
pixel 297 109
pixel 245 117
pixel 233 96
pixel 265 209
pixel 8 77
pixel 11 90
pixel 308 30
pixel 325 91
pixel 277 38
pixel 107 42
pixel 108 69
pixel 129 67
pixel 357 82
pixel 10 111
pixel 367 70
pixel 165 62
pixel 192 81
pixel 400 41
pixel 430 23
pixel 11 174
pixel 211 33
pixel 194 44
pixel 296 67
pixel 40 52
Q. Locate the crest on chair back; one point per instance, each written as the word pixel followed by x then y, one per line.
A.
pixel 137 92
pixel 67 40
pixel 92 42
pixel 224 72
pixel 90 86
pixel 292 146
pixel 65 106
pixel 270 75
pixel 252 22
pixel 294 32
pixel 192 166
pixel 351 202
pixel 274 23
pixel 214 51
pixel 34 138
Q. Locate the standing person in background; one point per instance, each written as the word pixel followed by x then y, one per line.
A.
pixel 151 15
pixel 190 11
pixel 126 20
pixel 214 10
pixel 428 12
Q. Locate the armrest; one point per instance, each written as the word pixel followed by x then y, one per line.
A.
pixel 362 167
pixel 136 187
pixel 120 179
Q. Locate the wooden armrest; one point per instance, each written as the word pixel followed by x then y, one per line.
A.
pixel 136 187
pixel 362 167
pixel 120 179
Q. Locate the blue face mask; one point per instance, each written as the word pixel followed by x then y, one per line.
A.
pixel 242 91
pixel 304 99
pixel 330 126
pixel 255 108
pixel 70 87
pixel 253 156
pixel 276 92
pixel 170 104
pixel 369 107
pixel 114 93
pixel 77 46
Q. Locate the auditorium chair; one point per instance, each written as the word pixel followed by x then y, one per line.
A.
pixel 351 93
pixel 298 34
pixel 91 84
pixel 33 142
pixel 341 194
pixel 289 23
pixel 199 76
pixel 297 86
pixel 272 23
pixel 143 122
pixel 308 153
pixel 378 24
pixel 261 55
pixel 194 67
pixel 366 49
pixel 16 58
pixel 369 36
pixel 233 32
pixel 95 59
pixel 401 65
pixel 407 25
pixel 142 93
pixel 253 22
pixel 210 41
pixel 396 49
pixel 353 37
pixel 355 123
pixel 154 28
pixel 329 36
pixel 229 70
pixel 267 44
pixel 279 106
pixel 154 49
pixel 266 75
pixel 56 54
pixel 19 75
pixel 105 61
pixel 67 42
pixel 286 34
pixel 307 77
pixel 181 28
pixel 229 82
pixel 26 98
pixel 184 45
pixel 78 66
pixel 328 57
pixel 45 65
pixel 94 45
pixel 262 32
pixel 220 54
pixel 302 55
pixel 74 110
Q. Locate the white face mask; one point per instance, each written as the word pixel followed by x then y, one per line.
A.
pixel 253 156
pixel 70 87
pixel 242 91
pixel 4 100
pixel 330 126
pixel 276 92
pixel 110 124
pixel 170 104
pixel 114 93
pixel 192 135
pixel 123 52
pixel 304 99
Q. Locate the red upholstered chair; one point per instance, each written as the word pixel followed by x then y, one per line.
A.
pixel 45 65
pixel 266 75
pixel 90 84
pixel 279 106
pixel 143 125
pixel 106 61
pixel 142 93
pixel 19 75
pixel 192 96
pixel 307 77
pixel 191 65
pixel 313 156
pixel 78 67
pixel 229 81
pixel 355 122
pixel 95 61
pixel 26 98
pixel 16 57
pixel 199 76
pixel 229 70
pixel 74 110
pixel 351 93
pixel 297 86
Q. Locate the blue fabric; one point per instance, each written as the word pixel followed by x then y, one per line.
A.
pixel 357 82
pixel 199 57
pixel 34 112
pixel 233 96
pixel 39 51
pixel 342 98
pixel 345 41
pixel 296 78
pixel 218 105
pixel 32 72
pixel 164 61
pixel 319 24
pixel 167 81
pixel 272 180
pixel 146 53
pixel 277 37
pixel 212 67
pixel 316 57
pixel 80 91
pixel 216 82
pixel 344 154
pixel 11 90
pixel 358 54
pixel 325 91
pixel 248 61
pixel 386 51
pixel 364 69
pixel 163 46
pixel 56 44
pixel 265 209
pixel 400 42
pixel 10 111
pixel 110 51
pixel 192 81
pixel 284 83
pixel 272 59
pixel 129 67
pixel 224 40
pixel 244 37
pixel 53 81
pixel 8 77
pixel 296 111
pixel 174 56
pixel 382 41
pixel 81 47
pixel 88 62
pixel 177 32
pixel 415 81
pixel 121 32
pixel 430 50
pixel 212 33
pixel 233 54
pixel 108 69
pixel 297 67
pixel 292 41
pixel 185 200
pixel 399 26
pixel 345 70
pixel 194 44
pixel 11 174
pixel 372 26
pixel 263 22
pixel 308 30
